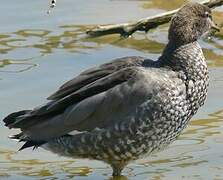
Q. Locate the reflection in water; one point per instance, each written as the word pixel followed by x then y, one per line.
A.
pixel 195 148
pixel 73 39
pixel 35 168
pixel 166 5
pixel 6 62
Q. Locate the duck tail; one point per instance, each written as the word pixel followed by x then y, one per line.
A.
pixel 21 137
pixel 12 118
pixel 28 143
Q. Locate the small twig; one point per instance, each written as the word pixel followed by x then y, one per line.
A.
pixel 52 5
pixel 145 24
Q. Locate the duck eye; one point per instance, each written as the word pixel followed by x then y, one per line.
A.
pixel 206 14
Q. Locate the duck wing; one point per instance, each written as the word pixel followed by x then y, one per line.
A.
pixel 93 74
pixel 89 85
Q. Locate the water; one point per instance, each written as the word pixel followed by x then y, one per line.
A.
pixel 39 52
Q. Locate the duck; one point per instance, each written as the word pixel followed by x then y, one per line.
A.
pixel 128 108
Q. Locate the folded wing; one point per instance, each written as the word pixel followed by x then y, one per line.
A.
pixel 84 103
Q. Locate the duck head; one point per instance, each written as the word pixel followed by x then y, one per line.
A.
pixel 190 23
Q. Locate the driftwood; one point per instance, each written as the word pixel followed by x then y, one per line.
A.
pixel 145 24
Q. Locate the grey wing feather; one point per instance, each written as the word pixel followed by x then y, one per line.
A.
pixel 117 71
pixel 89 90
pixel 94 74
pixel 98 111
pixel 67 121
pixel 76 105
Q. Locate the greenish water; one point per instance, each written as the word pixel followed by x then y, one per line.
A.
pixel 39 52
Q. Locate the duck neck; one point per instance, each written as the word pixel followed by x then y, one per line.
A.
pixel 186 58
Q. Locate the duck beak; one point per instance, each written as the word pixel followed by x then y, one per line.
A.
pixel 214 26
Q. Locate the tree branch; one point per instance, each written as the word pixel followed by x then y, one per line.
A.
pixel 145 24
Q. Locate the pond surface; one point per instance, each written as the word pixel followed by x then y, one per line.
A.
pixel 38 52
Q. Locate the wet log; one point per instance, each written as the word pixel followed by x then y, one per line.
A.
pixel 145 24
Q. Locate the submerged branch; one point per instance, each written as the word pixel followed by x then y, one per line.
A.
pixel 145 24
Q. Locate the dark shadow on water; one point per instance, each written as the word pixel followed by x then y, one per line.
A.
pixel 119 178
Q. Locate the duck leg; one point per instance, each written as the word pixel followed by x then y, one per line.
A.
pixel 117 168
